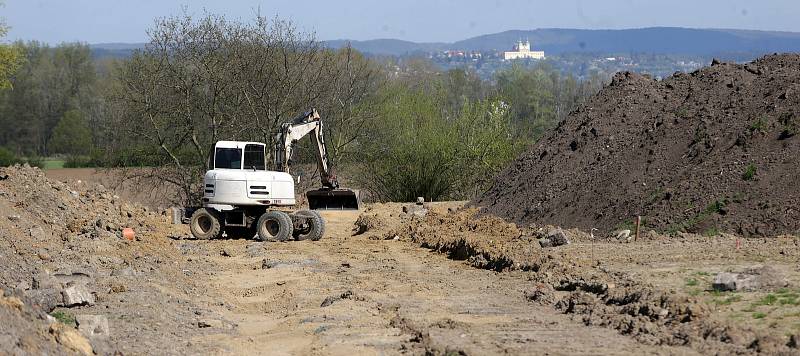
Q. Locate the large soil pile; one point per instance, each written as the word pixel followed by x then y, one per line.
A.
pixel 714 150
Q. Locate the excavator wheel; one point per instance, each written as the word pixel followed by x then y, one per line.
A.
pixel 314 226
pixel 205 224
pixel 274 226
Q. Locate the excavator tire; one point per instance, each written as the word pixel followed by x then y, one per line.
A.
pixel 315 229
pixel 274 226
pixel 205 224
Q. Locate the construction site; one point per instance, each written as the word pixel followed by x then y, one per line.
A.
pixel 659 217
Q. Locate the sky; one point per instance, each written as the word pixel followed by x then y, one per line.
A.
pixel 106 21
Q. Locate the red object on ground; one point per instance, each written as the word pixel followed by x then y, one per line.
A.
pixel 128 234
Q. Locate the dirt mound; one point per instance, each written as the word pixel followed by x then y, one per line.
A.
pixel 62 253
pixel 714 150
pixel 597 283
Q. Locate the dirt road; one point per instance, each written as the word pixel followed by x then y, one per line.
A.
pixel 480 285
pixel 352 295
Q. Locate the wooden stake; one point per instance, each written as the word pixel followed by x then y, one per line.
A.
pixel 638 223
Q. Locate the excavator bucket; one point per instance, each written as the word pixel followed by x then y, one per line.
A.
pixel 333 199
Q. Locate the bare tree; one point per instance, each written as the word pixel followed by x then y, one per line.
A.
pixel 200 81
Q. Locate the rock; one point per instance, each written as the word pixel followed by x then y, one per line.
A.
pixel 794 341
pixel 725 281
pixel 255 249
pixel 93 325
pixel 623 235
pixel 331 299
pixel 71 339
pixel 554 238
pixel 45 281
pixel 420 200
pixel 415 210
pixel 124 272
pixel 45 299
pixel 38 233
pixel 558 237
pixel 77 295
pixel 750 280
pixel 210 323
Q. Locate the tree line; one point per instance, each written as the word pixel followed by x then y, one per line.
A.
pixel 399 128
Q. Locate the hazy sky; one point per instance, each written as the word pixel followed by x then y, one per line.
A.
pixel 97 21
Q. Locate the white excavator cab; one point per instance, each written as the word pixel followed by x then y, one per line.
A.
pixel 239 176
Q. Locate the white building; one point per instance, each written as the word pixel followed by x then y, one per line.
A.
pixel 522 50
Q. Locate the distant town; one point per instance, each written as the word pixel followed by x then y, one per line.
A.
pixel 580 65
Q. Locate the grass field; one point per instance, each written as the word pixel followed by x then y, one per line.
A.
pixel 52 163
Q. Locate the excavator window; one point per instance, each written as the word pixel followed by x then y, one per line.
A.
pixel 228 158
pixel 254 157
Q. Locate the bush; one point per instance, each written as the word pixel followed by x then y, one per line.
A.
pixel 80 162
pixel 418 149
pixel 750 172
pixel 7 158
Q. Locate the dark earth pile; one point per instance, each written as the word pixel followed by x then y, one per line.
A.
pixel 717 150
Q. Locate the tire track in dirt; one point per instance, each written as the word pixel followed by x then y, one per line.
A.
pixel 385 297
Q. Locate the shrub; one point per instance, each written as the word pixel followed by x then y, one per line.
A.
pixel 750 172
pixel 7 158
pixel 64 318
pixel 419 149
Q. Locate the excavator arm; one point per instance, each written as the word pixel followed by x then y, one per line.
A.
pixel 330 196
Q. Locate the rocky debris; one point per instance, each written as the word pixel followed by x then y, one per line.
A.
pixel 93 325
pixel 704 151
pixel 753 279
pixel 554 238
pixel 71 339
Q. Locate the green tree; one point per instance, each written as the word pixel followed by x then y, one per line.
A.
pixel 10 58
pixel 72 135
pixel 417 148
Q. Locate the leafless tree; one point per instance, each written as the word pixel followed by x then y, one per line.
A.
pixel 200 81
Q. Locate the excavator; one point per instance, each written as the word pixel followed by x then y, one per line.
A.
pixel 242 197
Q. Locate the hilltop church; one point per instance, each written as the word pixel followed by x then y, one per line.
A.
pixel 522 50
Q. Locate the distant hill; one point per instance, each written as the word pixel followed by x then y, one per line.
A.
pixel 655 40
pixel 114 50
pixel 390 47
